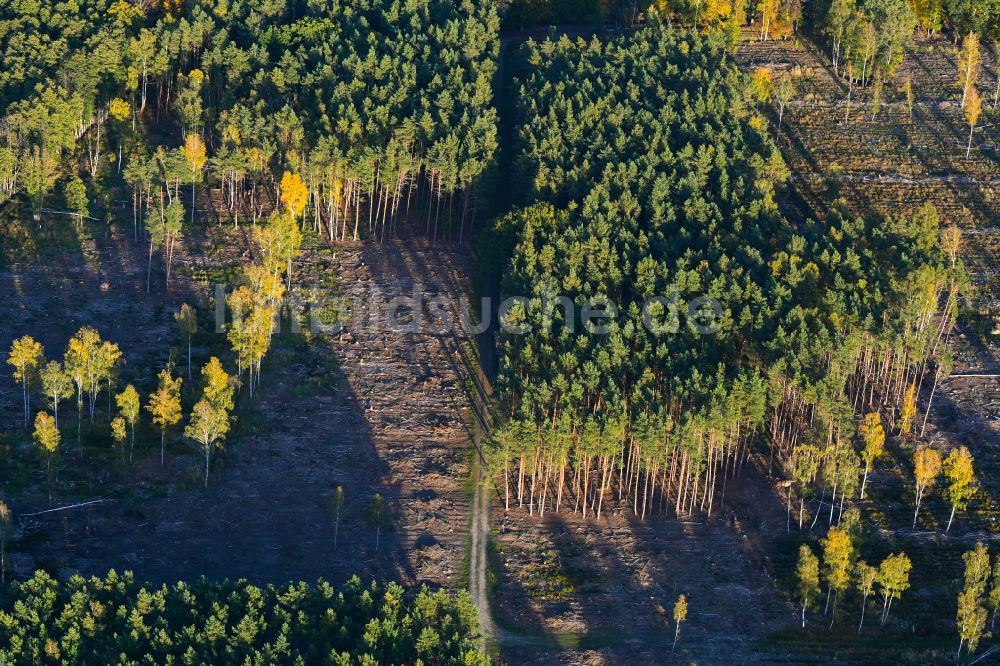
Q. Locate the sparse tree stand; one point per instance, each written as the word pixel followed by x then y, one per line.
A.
pixel 26 355
pixel 680 615
pixel 47 440
pixel 6 523
pixel 926 468
pixel 376 516
pixel 807 578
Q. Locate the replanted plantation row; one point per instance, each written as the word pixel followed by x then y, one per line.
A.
pixel 117 620
pixel 364 101
pixel 657 177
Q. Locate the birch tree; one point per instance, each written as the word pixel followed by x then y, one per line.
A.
pixel 208 427
pixel 968 65
pixel 47 440
pixel 376 516
pixel 873 436
pixel 838 553
pixel 973 106
pixel 56 385
pixel 337 506
pixel 165 405
pixel 865 576
pixel 893 579
pixel 971 615
pixel 680 615
pixel 807 577
pixel 959 474
pixel 187 325
pixel 926 468
pixel 25 356
pixel 129 405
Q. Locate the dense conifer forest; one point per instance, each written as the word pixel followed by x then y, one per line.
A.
pixel 658 181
